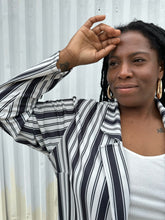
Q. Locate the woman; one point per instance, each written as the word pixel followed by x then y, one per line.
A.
pixel 108 156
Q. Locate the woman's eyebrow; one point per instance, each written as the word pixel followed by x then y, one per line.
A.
pixel 132 54
pixel 139 52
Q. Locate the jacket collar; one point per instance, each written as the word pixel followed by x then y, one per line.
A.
pixel 111 124
pixel 161 109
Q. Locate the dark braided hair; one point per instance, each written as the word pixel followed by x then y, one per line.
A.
pixel 156 37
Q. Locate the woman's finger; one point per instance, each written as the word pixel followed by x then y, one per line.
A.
pixel 112 41
pixel 106 30
pixel 104 52
pixel 107 44
pixel 93 20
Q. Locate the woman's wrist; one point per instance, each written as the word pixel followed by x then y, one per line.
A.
pixel 64 62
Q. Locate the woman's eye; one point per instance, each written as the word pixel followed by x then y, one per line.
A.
pixel 113 63
pixel 138 60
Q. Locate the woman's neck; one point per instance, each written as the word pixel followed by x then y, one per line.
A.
pixel 140 112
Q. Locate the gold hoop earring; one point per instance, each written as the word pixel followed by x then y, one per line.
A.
pixel 109 93
pixel 159 89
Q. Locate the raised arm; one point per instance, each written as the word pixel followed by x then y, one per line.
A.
pixel 89 45
pixel 19 106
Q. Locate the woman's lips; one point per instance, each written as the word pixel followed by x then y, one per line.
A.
pixel 126 88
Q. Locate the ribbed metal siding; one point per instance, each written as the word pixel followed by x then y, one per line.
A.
pixel 31 30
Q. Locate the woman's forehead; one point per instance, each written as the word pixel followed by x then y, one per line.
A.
pixel 134 37
pixel 132 41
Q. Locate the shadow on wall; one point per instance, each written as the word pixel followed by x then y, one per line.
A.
pixel 13 204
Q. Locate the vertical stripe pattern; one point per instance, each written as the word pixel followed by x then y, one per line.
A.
pixel 80 137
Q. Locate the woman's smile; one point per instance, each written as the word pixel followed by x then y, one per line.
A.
pixel 126 88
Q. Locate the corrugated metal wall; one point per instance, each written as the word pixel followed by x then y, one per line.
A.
pixel 31 30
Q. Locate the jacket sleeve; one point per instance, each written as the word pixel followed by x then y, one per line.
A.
pixel 22 116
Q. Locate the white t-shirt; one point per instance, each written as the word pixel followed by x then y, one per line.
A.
pixel 147 186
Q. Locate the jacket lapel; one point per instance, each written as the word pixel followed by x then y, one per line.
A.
pixel 115 165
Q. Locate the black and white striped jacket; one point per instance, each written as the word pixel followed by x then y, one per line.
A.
pixel 82 139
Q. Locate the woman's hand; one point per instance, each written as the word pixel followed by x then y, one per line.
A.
pixel 89 45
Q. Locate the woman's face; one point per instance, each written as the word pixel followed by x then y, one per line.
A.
pixel 134 70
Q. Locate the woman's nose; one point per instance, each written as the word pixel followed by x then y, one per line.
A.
pixel 125 71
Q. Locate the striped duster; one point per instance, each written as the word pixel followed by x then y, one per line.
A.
pixel 82 139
